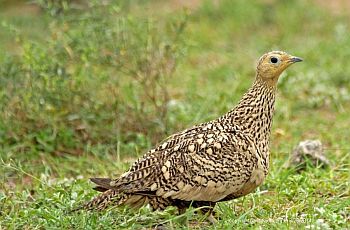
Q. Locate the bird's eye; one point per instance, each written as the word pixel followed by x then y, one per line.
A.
pixel 274 60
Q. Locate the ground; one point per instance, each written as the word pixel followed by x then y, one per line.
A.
pixel 86 90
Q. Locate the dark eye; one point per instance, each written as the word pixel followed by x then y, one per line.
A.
pixel 274 60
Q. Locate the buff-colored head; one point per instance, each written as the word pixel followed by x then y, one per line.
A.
pixel 272 64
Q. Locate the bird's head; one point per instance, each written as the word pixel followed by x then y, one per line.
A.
pixel 272 64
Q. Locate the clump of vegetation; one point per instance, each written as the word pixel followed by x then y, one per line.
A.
pixel 102 73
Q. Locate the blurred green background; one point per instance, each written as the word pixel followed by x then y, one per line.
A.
pixel 88 86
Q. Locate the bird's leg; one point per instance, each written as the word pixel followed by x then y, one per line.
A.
pixel 181 205
pixel 207 210
pixel 212 219
pixel 211 212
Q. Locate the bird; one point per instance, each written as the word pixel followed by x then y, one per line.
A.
pixel 215 161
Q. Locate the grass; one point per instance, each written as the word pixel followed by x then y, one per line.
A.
pixel 87 90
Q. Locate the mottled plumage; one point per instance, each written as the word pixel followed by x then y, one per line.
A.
pixel 219 160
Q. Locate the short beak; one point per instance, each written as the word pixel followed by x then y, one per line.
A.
pixel 295 59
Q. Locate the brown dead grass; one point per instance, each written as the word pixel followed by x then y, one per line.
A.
pixel 335 6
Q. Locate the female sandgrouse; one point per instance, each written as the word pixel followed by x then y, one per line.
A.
pixel 219 160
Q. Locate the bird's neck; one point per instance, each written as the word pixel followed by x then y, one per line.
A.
pixel 254 113
pixel 255 110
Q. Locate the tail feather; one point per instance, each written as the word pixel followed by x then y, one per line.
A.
pixel 100 189
pixel 111 197
pixel 102 183
pixel 101 201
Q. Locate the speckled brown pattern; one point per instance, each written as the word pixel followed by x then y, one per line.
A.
pixel 219 160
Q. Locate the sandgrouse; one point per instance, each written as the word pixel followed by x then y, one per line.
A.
pixel 219 160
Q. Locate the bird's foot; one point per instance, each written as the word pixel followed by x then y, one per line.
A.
pixel 212 219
